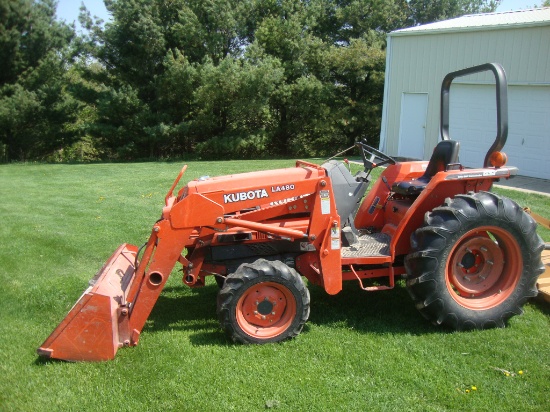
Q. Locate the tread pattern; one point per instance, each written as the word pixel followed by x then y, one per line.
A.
pixel 432 243
pixel 250 274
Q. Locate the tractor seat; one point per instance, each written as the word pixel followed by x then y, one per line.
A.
pixel 445 153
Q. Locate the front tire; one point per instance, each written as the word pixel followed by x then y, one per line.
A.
pixel 263 302
pixel 474 262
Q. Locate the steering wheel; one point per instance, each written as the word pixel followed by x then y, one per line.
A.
pixel 374 154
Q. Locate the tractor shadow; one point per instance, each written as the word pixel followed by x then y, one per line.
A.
pixel 191 310
pixel 179 308
pixel 382 312
pixel 541 304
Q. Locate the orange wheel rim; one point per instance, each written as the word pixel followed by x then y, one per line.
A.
pixel 266 310
pixel 483 268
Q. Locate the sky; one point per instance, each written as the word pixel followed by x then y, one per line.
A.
pixel 507 5
pixel 68 10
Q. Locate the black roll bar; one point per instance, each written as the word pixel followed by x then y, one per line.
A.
pixel 502 103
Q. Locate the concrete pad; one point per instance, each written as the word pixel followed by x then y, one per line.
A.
pixel 526 184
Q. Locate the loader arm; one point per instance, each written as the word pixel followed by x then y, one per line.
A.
pixel 112 312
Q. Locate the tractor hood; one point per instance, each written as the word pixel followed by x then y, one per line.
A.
pixel 206 200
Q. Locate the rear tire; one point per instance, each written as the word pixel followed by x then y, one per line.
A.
pixel 263 302
pixel 474 262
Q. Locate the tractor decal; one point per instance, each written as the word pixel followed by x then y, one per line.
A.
pixel 242 196
pixel 282 188
pixel 372 207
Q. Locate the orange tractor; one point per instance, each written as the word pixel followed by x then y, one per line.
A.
pixel 471 258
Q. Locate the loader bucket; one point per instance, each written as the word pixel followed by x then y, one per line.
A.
pixel 93 330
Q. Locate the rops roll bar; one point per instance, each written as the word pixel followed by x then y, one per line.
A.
pixel 502 103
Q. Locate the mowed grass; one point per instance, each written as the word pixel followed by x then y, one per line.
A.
pixel 359 350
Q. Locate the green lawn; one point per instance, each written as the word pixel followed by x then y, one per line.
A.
pixel 359 350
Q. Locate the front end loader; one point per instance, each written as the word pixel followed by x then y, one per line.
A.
pixel 471 258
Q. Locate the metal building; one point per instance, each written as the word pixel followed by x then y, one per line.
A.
pixel 419 57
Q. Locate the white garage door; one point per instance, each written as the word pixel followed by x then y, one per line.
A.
pixel 473 124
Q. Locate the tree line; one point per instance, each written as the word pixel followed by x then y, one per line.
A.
pixel 212 79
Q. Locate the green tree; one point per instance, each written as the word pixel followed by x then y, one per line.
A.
pixel 358 70
pixel 147 44
pixel 240 77
pixel 35 106
pixel 334 67
pixel 176 108
pixel 28 32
